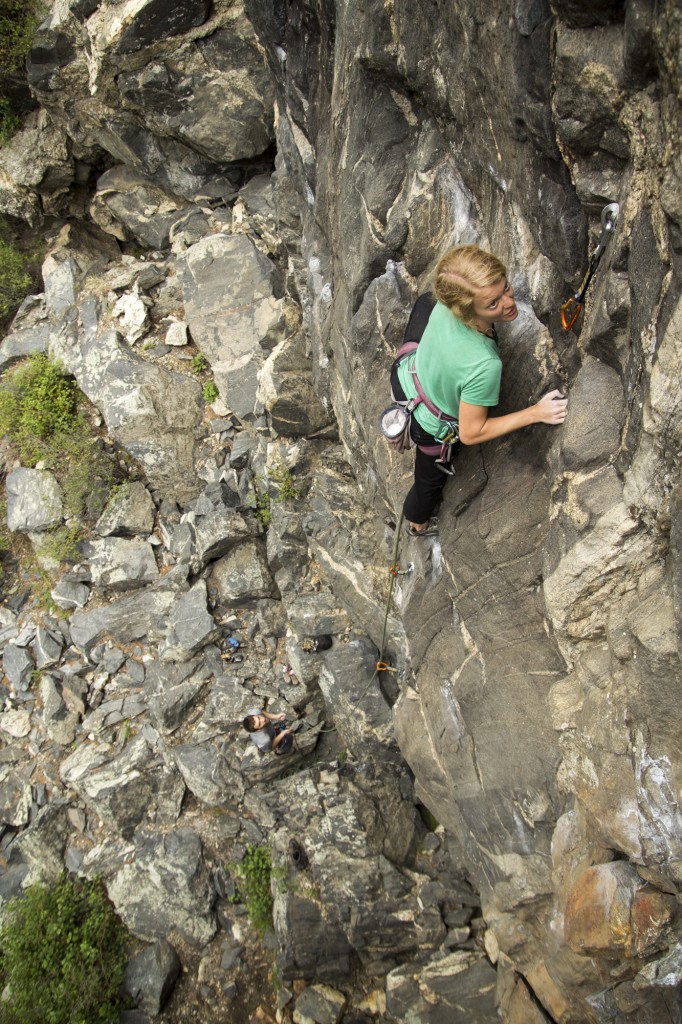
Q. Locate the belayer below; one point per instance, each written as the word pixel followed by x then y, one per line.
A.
pixel 452 376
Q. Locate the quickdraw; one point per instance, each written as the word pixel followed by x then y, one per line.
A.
pixel 395 570
pixel 570 311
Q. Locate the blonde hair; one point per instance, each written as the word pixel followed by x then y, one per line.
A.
pixel 460 273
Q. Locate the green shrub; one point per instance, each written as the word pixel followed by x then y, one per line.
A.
pixel 62 954
pixel 19 20
pixel 253 886
pixel 37 400
pixel 15 279
pixel 199 363
pixel 284 479
pixel 9 121
pixel 263 508
pixel 210 391
pixel 39 412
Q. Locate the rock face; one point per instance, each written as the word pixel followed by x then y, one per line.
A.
pixel 542 632
pixel 521 681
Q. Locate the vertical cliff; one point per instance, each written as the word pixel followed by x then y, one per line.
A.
pixel 539 709
pixel 536 640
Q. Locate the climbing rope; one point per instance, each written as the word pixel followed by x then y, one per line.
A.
pixel 570 311
pixel 394 571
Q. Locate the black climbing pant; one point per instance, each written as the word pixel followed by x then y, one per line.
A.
pixel 429 480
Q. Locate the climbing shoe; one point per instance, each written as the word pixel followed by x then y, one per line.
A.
pixel 429 530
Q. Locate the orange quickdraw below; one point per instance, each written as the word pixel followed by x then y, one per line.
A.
pixel 570 311
pixel 572 307
pixel 383 667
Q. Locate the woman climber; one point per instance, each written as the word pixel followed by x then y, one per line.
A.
pixel 458 369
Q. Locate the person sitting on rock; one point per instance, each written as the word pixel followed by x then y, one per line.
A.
pixel 268 732
pixel 458 368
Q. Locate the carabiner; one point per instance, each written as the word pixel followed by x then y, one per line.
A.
pixel 570 311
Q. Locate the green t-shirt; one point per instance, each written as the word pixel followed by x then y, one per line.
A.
pixel 453 363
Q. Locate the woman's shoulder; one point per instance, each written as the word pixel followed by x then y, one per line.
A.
pixel 444 326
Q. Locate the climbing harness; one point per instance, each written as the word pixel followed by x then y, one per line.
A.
pixel 394 422
pixel 570 311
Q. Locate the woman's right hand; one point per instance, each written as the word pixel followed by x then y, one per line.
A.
pixel 551 408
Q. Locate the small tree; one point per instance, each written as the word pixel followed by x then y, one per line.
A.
pixel 62 955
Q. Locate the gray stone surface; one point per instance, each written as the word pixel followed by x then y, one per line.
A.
pixel 15 796
pixel 47 648
pixel 242 575
pixel 457 989
pixel 208 773
pixel 166 886
pixel 34 500
pixel 130 618
pixel 169 709
pixel 536 640
pixel 18 665
pixel 130 512
pixel 70 595
pixel 151 411
pixel 191 626
pixel 232 312
pixel 125 789
pixel 29 333
pixel 150 976
pixel 120 564
pixel 322 1004
pixel 128 203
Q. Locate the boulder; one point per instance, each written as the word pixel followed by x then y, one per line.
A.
pixel 29 333
pixel 169 708
pixel 142 23
pixel 68 595
pixel 242 575
pixel 34 501
pixel 15 795
pixel 151 411
pixel 322 1004
pixel 120 564
pixel 18 666
pixel 47 648
pixel 456 989
pixel 165 887
pixel 191 626
pixel 287 391
pixel 131 618
pixel 133 317
pixel 36 169
pixel 610 911
pixel 129 203
pixel 124 789
pixel 130 512
pixel 208 773
pixel 43 843
pixel 233 312
pixel 150 976
pixel 225 71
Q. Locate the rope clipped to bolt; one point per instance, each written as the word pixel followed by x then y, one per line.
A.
pixel 570 311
